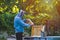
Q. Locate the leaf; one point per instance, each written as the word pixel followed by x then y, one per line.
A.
pixel 24 0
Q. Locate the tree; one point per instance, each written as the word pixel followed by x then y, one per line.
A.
pixel 38 11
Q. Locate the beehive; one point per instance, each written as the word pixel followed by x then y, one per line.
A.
pixel 36 30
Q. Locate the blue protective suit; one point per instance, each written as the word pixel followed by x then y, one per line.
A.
pixel 19 23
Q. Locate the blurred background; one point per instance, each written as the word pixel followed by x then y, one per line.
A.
pixel 46 12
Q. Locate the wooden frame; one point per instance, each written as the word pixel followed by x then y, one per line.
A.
pixel 36 30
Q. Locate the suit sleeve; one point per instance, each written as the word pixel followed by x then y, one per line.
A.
pixel 22 23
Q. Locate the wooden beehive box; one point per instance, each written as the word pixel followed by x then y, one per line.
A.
pixel 36 30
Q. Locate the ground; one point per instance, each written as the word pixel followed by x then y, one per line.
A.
pixel 11 39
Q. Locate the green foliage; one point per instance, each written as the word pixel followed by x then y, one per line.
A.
pixel 28 30
pixel 6 22
pixel 6 6
pixel 38 11
pixel 3 38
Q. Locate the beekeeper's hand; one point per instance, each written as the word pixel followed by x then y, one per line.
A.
pixel 30 22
